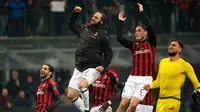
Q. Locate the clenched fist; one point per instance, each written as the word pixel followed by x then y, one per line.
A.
pixel 121 16
pixel 77 9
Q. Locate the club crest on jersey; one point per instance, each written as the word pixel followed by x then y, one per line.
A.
pixel 95 35
pixel 40 92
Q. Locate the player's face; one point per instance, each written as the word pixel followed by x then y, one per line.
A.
pixel 140 33
pixel 96 18
pixel 174 48
pixel 44 72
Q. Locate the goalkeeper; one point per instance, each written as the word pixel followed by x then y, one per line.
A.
pixel 171 77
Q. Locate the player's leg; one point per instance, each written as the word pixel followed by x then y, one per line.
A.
pixel 133 104
pixel 139 93
pixel 74 92
pixel 97 109
pixel 127 94
pixel 123 105
pixel 89 76
pixel 94 109
pixel 109 109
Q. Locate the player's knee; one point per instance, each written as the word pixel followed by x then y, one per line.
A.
pixel 123 105
pixel 133 104
pixel 72 94
pixel 83 83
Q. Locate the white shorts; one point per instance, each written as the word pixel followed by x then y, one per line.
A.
pixel 143 108
pixel 134 86
pixel 90 74
pixel 96 109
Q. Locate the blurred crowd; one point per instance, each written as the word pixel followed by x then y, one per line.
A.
pixel 20 90
pixel 41 18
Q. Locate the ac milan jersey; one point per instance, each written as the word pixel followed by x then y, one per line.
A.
pixel 143 52
pixel 46 94
pixel 103 88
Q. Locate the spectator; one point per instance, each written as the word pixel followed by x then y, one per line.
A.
pixel 5 100
pixel 16 18
pixel 14 84
pixel 194 16
pixel 111 8
pixel 59 18
pixel 46 28
pixel 21 100
pixel 3 16
pixel 30 89
pixel 183 6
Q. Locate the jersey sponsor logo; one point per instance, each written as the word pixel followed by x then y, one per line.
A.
pixel 142 51
pixel 98 84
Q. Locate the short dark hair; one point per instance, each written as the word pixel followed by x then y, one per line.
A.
pixel 51 68
pixel 143 26
pixel 179 43
pixel 103 18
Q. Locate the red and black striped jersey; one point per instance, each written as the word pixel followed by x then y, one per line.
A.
pixel 46 94
pixel 103 88
pixel 143 53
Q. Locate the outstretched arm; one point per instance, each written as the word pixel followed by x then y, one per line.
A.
pixel 146 21
pixel 119 29
pixel 71 24
pixel 191 75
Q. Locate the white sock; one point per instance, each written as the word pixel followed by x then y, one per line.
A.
pixel 85 97
pixel 79 104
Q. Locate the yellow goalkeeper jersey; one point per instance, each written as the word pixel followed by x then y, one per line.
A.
pixel 171 77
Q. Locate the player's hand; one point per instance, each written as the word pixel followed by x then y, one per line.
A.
pixel 77 9
pixel 198 90
pixel 121 16
pixel 140 7
pixel 100 68
pixel 104 107
pixel 147 87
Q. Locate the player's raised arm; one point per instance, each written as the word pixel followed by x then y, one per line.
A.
pixel 146 21
pixel 71 24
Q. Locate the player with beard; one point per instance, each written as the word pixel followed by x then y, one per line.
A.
pixel 47 97
pixel 93 55
pixel 172 74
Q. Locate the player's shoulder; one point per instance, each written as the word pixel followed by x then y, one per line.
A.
pixel 184 62
pixel 52 82
pixel 113 73
pixel 164 60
